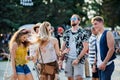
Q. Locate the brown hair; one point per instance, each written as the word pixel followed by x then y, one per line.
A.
pixel 97 18
pixel 16 38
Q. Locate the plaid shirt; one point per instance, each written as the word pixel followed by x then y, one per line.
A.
pixel 81 36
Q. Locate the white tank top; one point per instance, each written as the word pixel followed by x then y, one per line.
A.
pixel 48 53
pixel 99 61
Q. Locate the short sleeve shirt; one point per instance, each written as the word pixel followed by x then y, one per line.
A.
pixel 82 36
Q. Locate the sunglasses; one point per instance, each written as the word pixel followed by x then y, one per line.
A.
pixel 73 19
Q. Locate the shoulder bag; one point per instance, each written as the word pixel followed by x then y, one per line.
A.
pixel 45 68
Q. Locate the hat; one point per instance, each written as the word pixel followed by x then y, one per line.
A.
pixel 60 30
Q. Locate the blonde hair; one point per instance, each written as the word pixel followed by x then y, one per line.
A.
pixel 44 32
pixel 16 38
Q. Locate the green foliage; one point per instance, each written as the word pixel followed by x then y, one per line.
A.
pixel 111 12
pixel 57 12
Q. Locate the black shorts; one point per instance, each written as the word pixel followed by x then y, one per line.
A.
pixel 95 74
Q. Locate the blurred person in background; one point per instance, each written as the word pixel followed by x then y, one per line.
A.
pixel 59 36
pixel 92 54
pixel 3 54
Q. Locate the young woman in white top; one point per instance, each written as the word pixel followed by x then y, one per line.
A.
pixel 48 49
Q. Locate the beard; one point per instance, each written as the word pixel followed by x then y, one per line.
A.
pixel 73 24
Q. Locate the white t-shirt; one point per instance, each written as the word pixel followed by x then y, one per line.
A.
pixel 72 53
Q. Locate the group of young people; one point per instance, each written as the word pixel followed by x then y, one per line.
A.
pixel 75 45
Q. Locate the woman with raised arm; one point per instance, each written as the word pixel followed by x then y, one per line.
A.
pixel 18 49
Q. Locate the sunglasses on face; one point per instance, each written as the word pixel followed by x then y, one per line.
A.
pixel 73 19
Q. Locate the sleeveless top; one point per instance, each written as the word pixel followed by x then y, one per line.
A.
pixel 48 53
pixel 21 53
pixel 104 47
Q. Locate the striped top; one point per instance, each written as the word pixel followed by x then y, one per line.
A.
pixel 92 50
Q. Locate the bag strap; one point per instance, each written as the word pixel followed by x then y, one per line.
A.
pixel 41 55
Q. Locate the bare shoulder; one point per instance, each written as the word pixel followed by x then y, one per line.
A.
pixel 109 33
pixel 14 46
pixel 54 40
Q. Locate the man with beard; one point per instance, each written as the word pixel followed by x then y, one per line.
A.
pixel 75 45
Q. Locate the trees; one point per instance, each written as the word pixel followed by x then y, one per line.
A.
pixel 111 12
pixel 58 12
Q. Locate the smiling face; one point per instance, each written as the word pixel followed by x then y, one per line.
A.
pixel 23 38
pixel 97 25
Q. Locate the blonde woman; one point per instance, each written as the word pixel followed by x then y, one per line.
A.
pixel 18 49
pixel 48 50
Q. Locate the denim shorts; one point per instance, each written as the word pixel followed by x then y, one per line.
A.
pixel 22 69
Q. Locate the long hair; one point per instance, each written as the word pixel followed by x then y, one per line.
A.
pixel 44 32
pixel 16 38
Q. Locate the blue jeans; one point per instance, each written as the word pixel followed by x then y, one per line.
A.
pixel 106 75
pixel 22 69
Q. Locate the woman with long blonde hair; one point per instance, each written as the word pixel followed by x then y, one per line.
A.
pixel 47 51
pixel 18 49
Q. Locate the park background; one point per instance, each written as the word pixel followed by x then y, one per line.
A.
pixel 16 13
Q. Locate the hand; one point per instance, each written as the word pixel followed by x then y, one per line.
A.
pixel 75 62
pixel 94 68
pixel 38 66
pixel 29 58
pixel 14 76
pixel 117 50
pixel 66 51
pixel 102 66
pixel 60 62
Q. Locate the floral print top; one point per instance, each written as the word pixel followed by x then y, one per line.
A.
pixel 81 36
